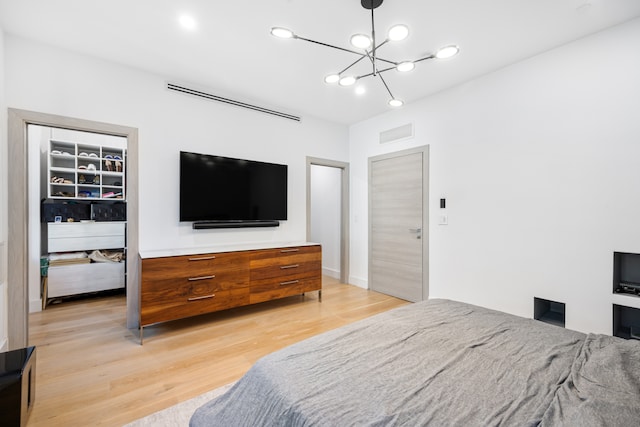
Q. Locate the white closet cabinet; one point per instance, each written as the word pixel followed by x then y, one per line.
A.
pixel 64 280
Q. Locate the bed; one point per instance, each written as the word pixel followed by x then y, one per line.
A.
pixel 438 362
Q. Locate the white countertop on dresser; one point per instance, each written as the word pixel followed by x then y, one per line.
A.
pixel 159 253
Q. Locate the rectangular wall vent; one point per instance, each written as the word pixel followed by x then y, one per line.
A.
pixel 212 97
pixel 396 134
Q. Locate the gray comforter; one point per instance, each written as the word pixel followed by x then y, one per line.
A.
pixel 438 363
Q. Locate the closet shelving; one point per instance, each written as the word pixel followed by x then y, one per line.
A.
pixel 83 171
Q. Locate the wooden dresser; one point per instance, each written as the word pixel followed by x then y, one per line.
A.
pixel 178 286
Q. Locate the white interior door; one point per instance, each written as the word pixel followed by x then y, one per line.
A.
pixel 397 219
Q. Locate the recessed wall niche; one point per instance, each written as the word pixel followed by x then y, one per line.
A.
pixel 626 273
pixel 548 311
pixel 626 322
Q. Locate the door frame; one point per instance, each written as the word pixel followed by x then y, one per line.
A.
pixel 344 209
pixel 424 149
pixel 18 208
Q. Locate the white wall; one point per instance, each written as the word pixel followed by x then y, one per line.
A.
pixel 45 79
pixel 539 165
pixel 326 193
pixel 3 201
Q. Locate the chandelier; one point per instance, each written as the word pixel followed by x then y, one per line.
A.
pixel 368 49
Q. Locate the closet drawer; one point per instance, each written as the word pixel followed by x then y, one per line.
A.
pixel 83 278
pixel 85 236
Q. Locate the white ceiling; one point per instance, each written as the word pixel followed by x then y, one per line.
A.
pixel 231 53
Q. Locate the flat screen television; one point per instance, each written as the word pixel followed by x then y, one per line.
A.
pixel 228 191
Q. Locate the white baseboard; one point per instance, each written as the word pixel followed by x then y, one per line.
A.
pixel 362 283
pixel 35 305
pixel 331 272
pixel 4 345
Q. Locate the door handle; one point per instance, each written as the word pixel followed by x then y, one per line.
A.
pixel 418 231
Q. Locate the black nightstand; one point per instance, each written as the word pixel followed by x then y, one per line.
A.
pixel 17 385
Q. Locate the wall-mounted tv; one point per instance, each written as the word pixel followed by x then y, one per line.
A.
pixel 218 191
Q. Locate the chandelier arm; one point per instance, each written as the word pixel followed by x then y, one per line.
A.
pixel 373 38
pixel 382 44
pixel 357 60
pixel 378 71
pixel 329 45
pixel 386 60
pixel 425 58
pixel 385 85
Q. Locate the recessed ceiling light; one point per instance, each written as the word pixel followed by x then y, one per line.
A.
pixel 360 90
pixel 187 22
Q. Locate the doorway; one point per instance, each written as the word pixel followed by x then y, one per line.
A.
pixel 398 224
pixel 18 170
pixel 330 178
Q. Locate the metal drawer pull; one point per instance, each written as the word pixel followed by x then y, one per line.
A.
pixel 193 279
pixel 290 282
pixel 284 251
pixel 202 297
pixel 284 267
pixel 202 258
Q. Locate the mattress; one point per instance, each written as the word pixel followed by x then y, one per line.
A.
pixel 438 362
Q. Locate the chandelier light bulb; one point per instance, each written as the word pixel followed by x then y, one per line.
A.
pixel 447 52
pixel 398 32
pixel 347 81
pixel 396 103
pixel 332 78
pixel 361 41
pixel 405 66
pixel 283 33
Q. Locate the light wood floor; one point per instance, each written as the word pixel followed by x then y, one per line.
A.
pixel 91 370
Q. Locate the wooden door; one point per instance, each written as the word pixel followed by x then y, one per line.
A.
pixel 398 239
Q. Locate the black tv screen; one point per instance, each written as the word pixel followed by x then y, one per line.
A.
pixel 215 188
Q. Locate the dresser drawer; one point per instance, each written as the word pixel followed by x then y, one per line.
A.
pixel 286 252
pixel 268 289
pixel 184 304
pixel 299 264
pixel 175 287
pixel 195 265
pixel 294 269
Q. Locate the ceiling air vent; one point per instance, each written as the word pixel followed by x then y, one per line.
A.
pixel 396 134
pixel 212 97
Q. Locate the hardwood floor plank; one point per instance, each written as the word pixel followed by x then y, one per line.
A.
pixel 91 370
